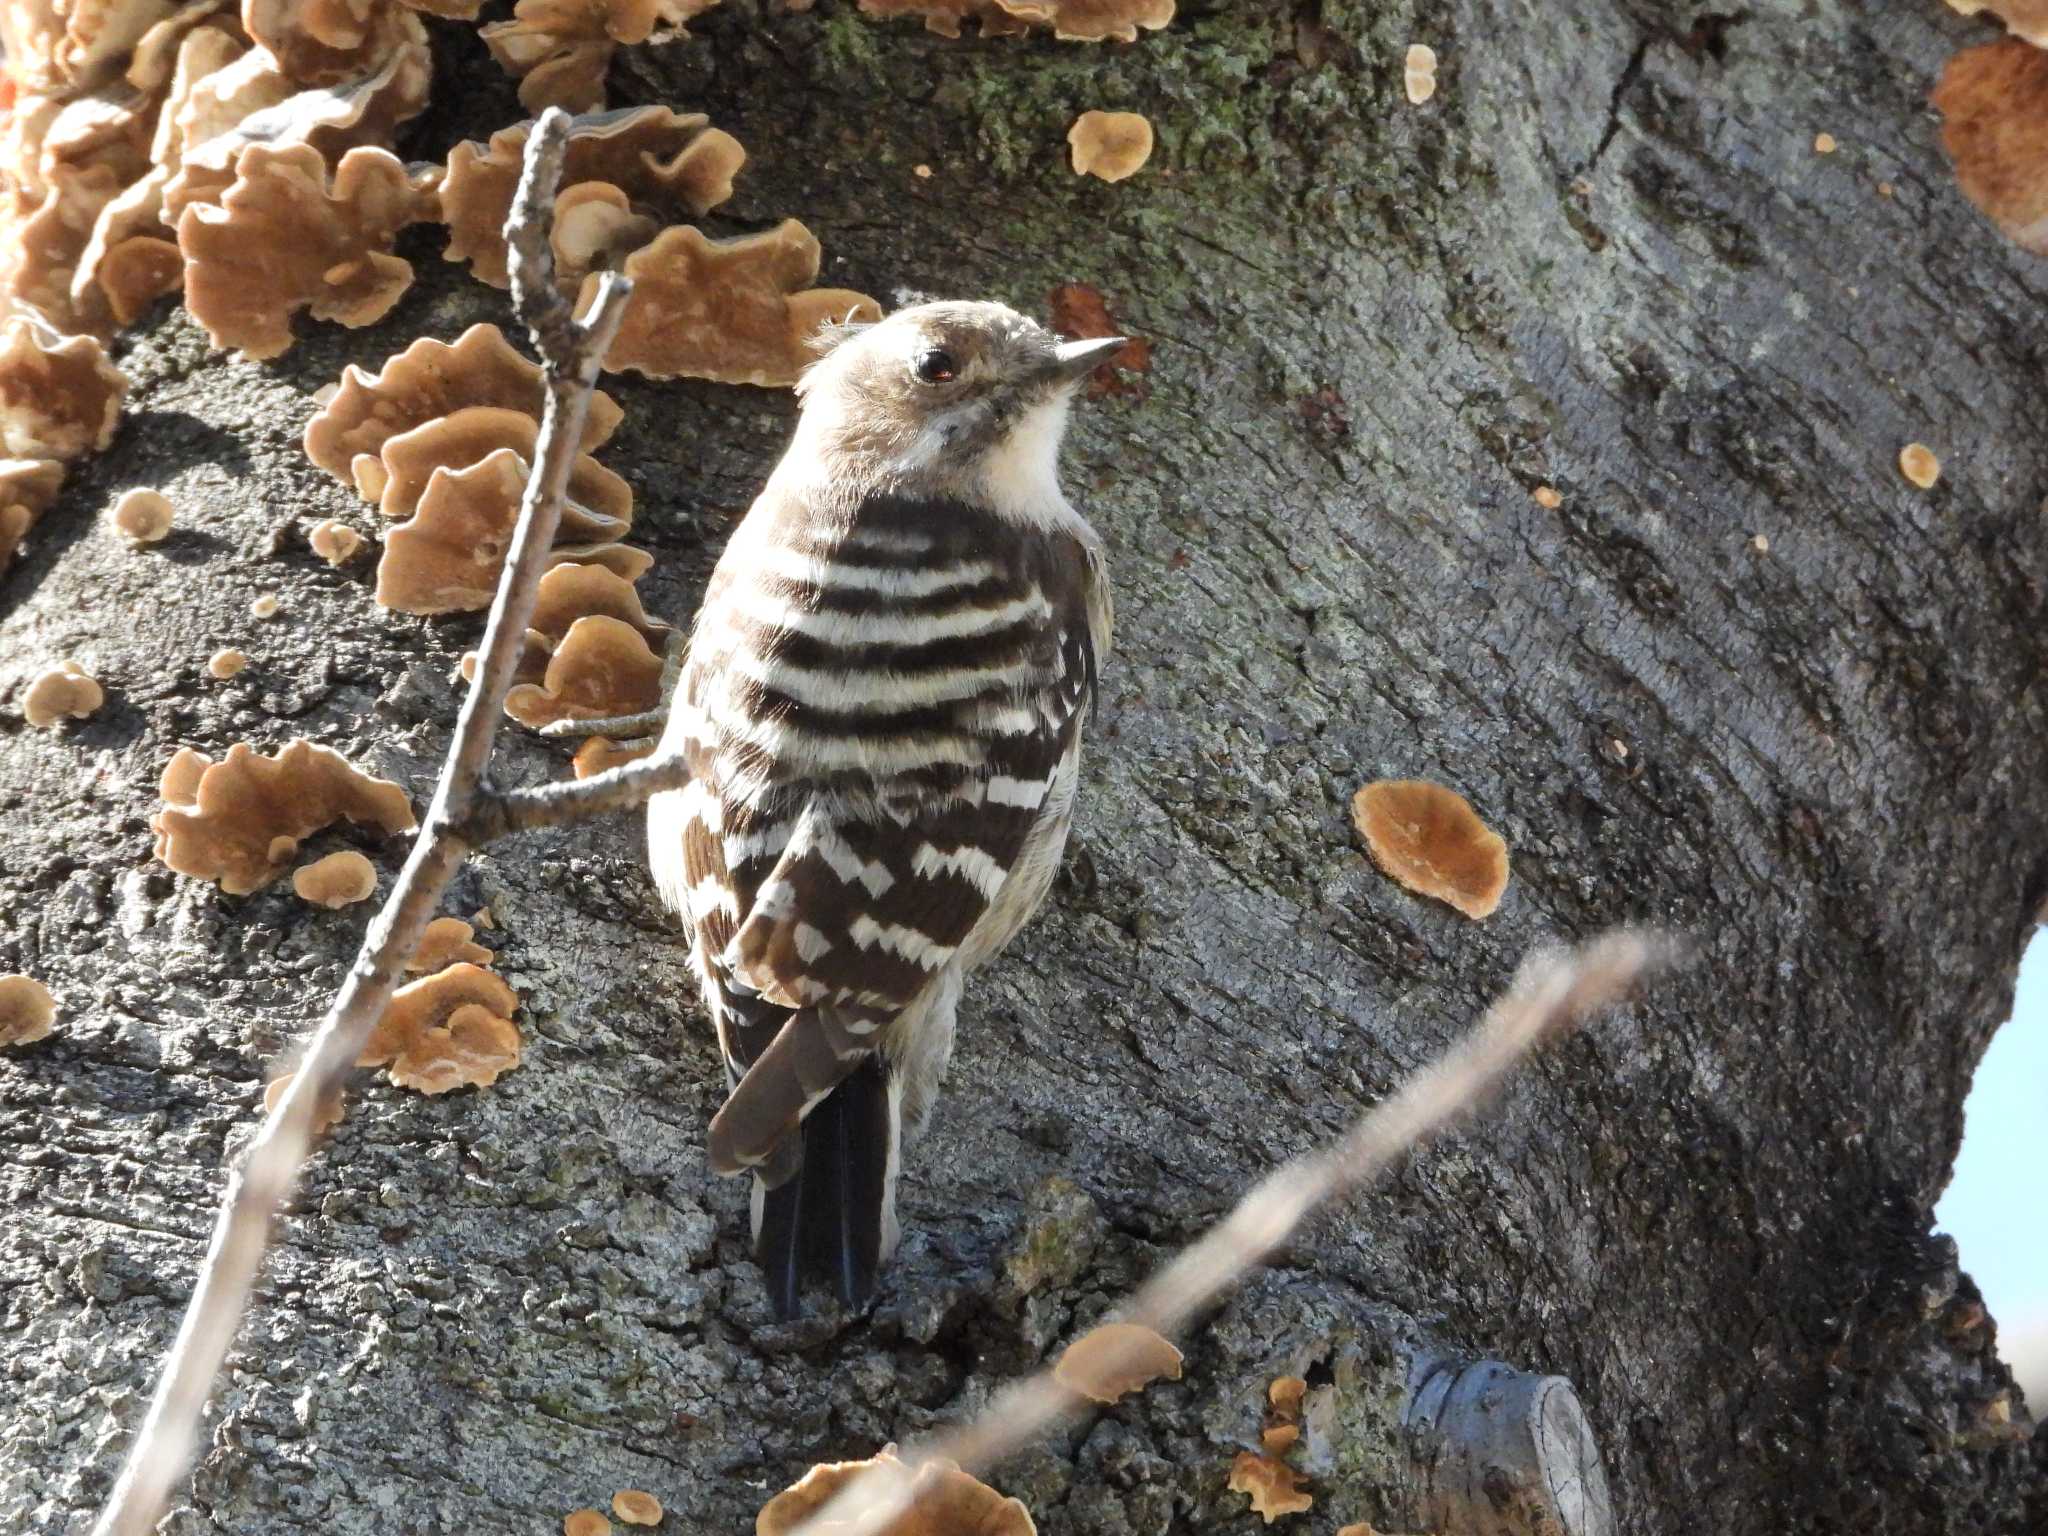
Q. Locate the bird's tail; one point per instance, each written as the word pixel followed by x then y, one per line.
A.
pixel 834 1218
pixel 815 1119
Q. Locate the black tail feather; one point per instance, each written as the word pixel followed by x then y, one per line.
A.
pixel 828 1220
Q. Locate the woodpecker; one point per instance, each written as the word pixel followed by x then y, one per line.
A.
pixel 880 708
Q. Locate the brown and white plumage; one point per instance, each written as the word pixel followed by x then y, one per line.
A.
pixel 882 708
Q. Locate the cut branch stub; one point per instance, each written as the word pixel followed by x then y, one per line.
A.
pixel 1494 1451
pixel 431 379
pixel 670 161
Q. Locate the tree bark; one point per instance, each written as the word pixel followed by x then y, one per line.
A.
pixel 1605 258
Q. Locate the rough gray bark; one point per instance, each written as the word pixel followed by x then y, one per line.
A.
pixel 1604 258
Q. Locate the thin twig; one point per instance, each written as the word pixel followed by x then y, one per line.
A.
pixel 1552 995
pixel 259 1188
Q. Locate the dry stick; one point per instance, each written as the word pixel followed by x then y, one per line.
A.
pixel 258 1189
pixel 1552 994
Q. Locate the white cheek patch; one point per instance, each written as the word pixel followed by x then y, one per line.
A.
pixel 1021 474
pixel 944 430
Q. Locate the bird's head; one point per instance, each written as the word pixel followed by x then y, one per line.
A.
pixel 955 398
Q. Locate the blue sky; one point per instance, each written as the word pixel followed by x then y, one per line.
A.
pixel 1992 1205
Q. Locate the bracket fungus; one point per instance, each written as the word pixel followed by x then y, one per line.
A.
pixel 1430 839
pixel 559 50
pixel 226 663
pixel 321 42
pixel 944 1501
pixel 450 1030
pixel 179 784
pixel 242 808
pixel 59 396
pixel 1918 464
pixel 734 311
pixel 1093 21
pixel 65 692
pixel 595 230
pixel 633 1506
pixel 447 940
pixel 662 159
pixel 335 542
pixel 1110 145
pixel 586 1522
pixel 602 667
pixel 600 754
pixel 601 504
pixel 446 557
pixel 325 1118
pixel 284 238
pixel 27 1011
pixel 143 516
pixel 1272 1485
pixel 27 487
pixel 339 880
pixel 1418 73
pixel 574 591
pixel 429 380
pixel 2027 19
pixel 1993 101
pixel 944 16
pixel 1114 1360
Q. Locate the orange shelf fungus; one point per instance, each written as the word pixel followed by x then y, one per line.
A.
pixel 232 824
pixel 284 238
pixel 323 42
pixel 602 667
pixel 65 692
pixel 1418 73
pixel 143 516
pixel 446 941
pixel 734 311
pixel 1115 1360
pixel 599 754
pixel 1430 839
pixel 446 557
pixel 1273 1486
pixel 27 487
pixel 1285 1395
pixel 225 664
pixel 450 1030
pixel 180 782
pixel 1919 465
pixel 1110 145
pixel 944 1501
pixel 27 1011
pixel 429 380
pixel 1994 105
pixel 325 1118
pixel 1093 21
pixel 945 16
pixel 635 1507
pixel 136 272
pixel 335 542
pixel 339 880
pixel 59 396
pixel 559 50
pixel 573 591
pixel 595 230
pixel 1274 1439
pixel 586 1522
pixel 666 160
pixel 600 503
pixel 251 103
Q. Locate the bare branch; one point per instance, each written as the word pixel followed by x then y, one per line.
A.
pixel 499 812
pixel 1552 995
pixel 258 1189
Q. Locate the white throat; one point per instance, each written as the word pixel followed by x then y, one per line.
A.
pixel 1020 476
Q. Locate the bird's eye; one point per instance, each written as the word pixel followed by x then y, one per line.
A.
pixel 934 365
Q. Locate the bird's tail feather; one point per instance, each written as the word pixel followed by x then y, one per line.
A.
pixel 834 1218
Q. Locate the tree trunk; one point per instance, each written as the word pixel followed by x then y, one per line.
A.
pixel 1744 682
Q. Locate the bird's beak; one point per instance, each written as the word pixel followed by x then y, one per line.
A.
pixel 1075 359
